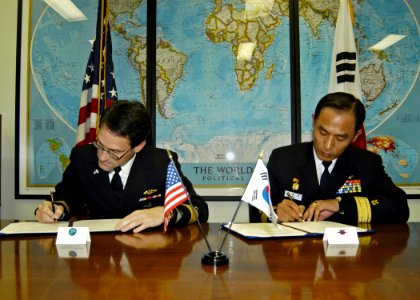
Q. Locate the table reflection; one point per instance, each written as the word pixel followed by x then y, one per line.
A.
pixel 128 260
pixel 305 267
pixel 160 266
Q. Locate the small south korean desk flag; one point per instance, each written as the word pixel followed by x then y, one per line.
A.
pixel 257 192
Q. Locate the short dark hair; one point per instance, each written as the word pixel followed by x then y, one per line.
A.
pixel 127 119
pixel 344 102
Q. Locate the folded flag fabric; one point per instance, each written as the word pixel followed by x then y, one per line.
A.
pixel 176 193
pixel 257 193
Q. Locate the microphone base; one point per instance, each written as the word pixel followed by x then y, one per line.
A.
pixel 215 258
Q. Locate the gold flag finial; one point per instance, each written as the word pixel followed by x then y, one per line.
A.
pixel 261 154
pixel 169 154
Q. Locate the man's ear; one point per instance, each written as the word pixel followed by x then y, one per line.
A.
pixel 359 132
pixel 139 147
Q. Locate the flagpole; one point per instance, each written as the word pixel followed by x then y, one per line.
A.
pixel 230 225
pixel 99 95
pixel 105 52
pixel 236 211
pixel 189 201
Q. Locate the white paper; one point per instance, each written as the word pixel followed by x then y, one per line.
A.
pixel 33 227
pixel 286 229
pixel 264 230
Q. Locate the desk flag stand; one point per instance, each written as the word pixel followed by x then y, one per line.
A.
pixel 211 258
pixel 218 258
pixel 258 182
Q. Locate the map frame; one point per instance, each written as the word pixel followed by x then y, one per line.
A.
pixel 24 190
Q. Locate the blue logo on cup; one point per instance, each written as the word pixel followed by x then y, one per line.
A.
pixel 72 231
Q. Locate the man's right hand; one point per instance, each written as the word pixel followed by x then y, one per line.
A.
pixel 289 211
pixel 45 214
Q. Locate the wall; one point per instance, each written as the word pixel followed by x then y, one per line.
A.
pixel 23 209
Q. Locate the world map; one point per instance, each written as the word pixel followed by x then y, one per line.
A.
pixel 218 110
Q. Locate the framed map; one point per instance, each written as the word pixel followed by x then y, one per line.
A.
pixel 215 106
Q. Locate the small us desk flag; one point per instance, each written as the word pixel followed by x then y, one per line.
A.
pixel 344 74
pixel 175 194
pixel 100 69
pixel 257 193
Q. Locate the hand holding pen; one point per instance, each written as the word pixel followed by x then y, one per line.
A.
pixel 300 208
pixel 289 211
pixel 48 211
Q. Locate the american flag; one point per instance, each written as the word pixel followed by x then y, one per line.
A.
pixel 175 192
pixel 344 73
pixel 100 68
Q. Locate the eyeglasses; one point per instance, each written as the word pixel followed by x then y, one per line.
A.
pixel 111 153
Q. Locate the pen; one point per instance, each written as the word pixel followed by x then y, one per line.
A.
pixel 52 204
pixel 290 198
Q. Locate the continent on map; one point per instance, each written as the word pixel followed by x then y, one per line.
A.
pixel 400 155
pixel 169 68
pixel 51 153
pixel 117 8
pixel 373 81
pixel 314 12
pixel 226 24
pixel 124 7
pixel 169 61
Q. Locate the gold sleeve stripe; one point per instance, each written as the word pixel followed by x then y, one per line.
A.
pixel 264 217
pixel 194 213
pixel 364 211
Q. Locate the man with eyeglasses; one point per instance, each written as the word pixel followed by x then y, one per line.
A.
pixel 120 176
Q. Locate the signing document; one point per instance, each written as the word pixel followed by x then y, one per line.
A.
pixel 286 229
pixel 27 227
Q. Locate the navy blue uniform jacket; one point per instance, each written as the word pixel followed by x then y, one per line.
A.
pixel 86 189
pixel 292 169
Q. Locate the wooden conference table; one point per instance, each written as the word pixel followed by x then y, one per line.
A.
pixel 168 266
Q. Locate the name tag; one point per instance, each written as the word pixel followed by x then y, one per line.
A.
pixel 73 242
pixel 295 196
pixel 341 242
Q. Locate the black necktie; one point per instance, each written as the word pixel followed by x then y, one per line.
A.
pixel 323 184
pixel 116 182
